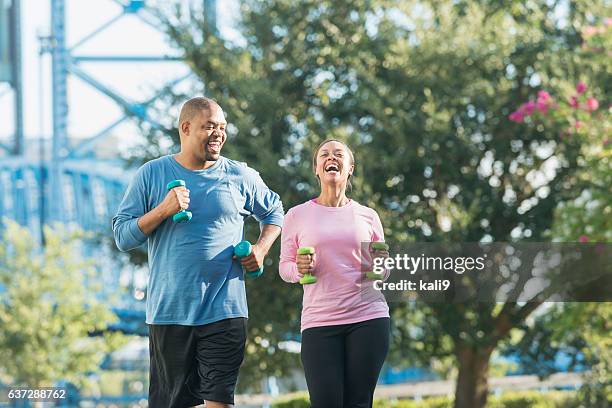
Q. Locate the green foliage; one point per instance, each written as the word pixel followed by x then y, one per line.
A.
pixel 117 383
pixel 550 334
pixel 525 399
pixel 590 323
pixel 299 401
pixel 48 309
pixel 587 216
pixel 582 115
pixel 534 399
pixel 433 402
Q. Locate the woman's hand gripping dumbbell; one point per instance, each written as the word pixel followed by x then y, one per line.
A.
pixel 305 264
pixel 378 250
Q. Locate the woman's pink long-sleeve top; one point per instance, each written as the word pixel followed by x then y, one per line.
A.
pixel 341 295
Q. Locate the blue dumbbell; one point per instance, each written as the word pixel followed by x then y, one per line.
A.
pixel 244 248
pixel 182 215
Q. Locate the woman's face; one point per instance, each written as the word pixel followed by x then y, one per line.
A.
pixel 333 163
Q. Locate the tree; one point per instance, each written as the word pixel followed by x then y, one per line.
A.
pixel 49 309
pixel 422 91
pixel 580 330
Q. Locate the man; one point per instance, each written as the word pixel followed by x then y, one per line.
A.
pixel 196 299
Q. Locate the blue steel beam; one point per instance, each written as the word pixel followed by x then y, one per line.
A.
pixel 210 13
pixel 139 9
pixel 22 196
pixel 88 79
pixel 88 144
pixel 97 31
pixel 17 75
pixel 123 58
pixel 6 148
pixel 135 109
pixel 60 105
pixel 133 6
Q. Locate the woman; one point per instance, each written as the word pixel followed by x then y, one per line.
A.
pixel 345 335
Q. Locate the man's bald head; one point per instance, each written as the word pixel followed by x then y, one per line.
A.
pixel 194 106
pixel 202 130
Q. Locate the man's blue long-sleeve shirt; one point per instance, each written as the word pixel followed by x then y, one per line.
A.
pixel 193 279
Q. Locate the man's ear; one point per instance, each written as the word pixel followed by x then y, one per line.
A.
pixel 184 127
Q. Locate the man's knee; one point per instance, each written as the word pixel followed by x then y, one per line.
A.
pixel 213 404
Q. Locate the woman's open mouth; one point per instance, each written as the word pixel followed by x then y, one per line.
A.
pixel 332 168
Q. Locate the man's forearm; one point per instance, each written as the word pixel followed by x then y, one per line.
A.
pixel 268 235
pixel 151 220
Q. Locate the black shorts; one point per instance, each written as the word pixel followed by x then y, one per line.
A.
pixel 190 364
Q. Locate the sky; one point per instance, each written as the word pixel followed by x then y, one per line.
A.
pixel 89 110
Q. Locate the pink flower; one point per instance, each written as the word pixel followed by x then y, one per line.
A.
pixel 544 101
pixel 581 88
pixel 573 102
pixel 589 31
pixel 578 124
pixel 608 22
pixel 583 238
pixel 543 95
pixel 592 104
pixel 528 108
pixel 517 116
pixel 542 106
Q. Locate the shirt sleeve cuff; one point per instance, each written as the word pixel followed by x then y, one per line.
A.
pixel 136 232
pixel 274 218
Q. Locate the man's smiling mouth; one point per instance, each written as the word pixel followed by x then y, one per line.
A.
pixel 215 146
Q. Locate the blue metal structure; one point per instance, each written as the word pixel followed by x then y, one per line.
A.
pixel 10 66
pixel 73 185
pixel 65 61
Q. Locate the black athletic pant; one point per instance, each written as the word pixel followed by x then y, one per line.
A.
pixel 190 364
pixel 342 363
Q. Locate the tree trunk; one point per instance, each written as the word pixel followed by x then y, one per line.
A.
pixel 472 381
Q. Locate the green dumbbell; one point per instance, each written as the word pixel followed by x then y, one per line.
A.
pixel 243 249
pixel 307 279
pixel 182 215
pixel 377 246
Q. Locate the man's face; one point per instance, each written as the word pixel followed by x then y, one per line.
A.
pixel 205 134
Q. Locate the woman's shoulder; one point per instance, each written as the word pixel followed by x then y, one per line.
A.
pixel 364 209
pixel 299 209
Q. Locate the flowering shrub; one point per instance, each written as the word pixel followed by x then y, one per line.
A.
pixel 597 38
pixel 580 118
pixel 569 115
pixel 580 113
pixel 587 217
pixel 581 122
